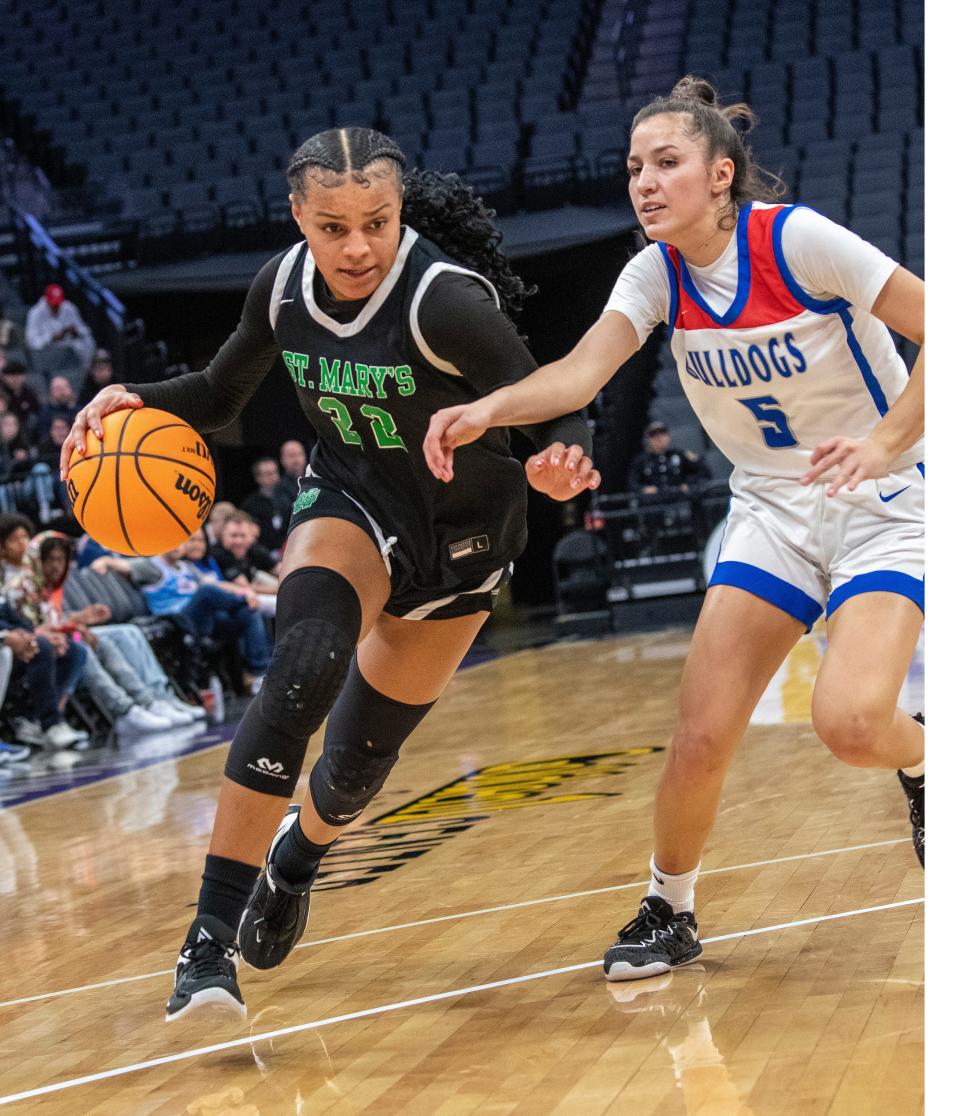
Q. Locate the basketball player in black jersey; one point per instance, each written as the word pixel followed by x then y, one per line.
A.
pixel 387 575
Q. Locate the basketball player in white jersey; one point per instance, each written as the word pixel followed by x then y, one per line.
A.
pixel 778 322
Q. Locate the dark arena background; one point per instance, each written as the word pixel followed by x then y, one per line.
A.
pixel 142 154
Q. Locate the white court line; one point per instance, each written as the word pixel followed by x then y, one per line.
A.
pixel 383 1009
pixel 461 914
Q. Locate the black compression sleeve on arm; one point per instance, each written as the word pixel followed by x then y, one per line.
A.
pixel 461 323
pixel 214 397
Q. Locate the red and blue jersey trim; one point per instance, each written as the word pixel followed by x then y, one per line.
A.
pixel 766 292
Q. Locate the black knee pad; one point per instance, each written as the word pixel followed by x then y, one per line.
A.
pixel 318 625
pixel 360 746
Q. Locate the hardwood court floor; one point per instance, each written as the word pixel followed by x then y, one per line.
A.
pixel 450 962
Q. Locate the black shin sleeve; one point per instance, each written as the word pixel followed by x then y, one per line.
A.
pixel 318 625
pixel 360 746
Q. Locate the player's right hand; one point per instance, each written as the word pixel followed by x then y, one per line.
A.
pixel 114 397
pixel 449 428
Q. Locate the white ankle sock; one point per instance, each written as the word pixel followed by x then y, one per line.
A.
pixel 677 890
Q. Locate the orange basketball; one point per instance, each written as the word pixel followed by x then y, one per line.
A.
pixel 146 487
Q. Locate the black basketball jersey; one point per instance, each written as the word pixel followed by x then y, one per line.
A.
pixel 369 387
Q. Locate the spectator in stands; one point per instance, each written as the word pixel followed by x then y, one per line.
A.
pixel 100 374
pixel 50 666
pixel 293 462
pixel 22 399
pixel 62 403
pixel 51 441
pixel 268 505
pixel 11 335
pixel 663 470
pixel 218 513
pixel 173 587
pixel 245 562
pixel 196 551
pixel 238 554
pixel 121 670
pixel 15 452
pixel 58 338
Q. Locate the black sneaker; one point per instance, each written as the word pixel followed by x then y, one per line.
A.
pixel 207 972
pixel 654 942
pixel 913 789
pixel 276 915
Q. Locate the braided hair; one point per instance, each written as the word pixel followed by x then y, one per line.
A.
pixel 697 99
pixel 442 207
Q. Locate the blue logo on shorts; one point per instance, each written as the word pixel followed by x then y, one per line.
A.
pixel 893 495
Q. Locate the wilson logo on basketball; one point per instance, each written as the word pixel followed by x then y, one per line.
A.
pixel 195 493
pixel 198 449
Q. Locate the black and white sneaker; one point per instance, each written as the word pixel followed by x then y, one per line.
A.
pixel 654 942
pixel 207 972
pixel 913 789
pixel 276 915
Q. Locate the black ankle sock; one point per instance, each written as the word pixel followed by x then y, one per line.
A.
pixel 226 889
pixel 296 857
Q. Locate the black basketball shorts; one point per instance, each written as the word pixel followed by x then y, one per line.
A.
pixel 409 600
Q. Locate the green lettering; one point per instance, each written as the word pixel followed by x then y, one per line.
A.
pixel 329 375
pixel 379 372
pixel 296 363
pixel 347 386
pixel 363 380
pixel 404 377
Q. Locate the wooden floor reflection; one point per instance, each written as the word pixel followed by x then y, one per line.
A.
pixel 510 843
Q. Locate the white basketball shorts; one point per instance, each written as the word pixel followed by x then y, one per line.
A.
pixel 805 552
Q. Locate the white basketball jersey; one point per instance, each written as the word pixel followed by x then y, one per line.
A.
pixel 779 371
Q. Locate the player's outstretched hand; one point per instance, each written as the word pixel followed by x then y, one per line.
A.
pixel 858 460
pixel 449 428
pixel 561 472
pixel 114 397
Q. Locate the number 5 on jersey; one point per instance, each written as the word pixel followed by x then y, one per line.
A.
pixel 773 422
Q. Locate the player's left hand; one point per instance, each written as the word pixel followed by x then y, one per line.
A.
pixel 561 472
pixel 858 459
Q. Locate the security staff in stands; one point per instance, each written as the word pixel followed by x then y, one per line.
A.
pixel 663 470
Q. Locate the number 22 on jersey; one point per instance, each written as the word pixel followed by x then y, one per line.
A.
pixel 381 422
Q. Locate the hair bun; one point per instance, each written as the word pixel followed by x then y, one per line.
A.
pixel 692 88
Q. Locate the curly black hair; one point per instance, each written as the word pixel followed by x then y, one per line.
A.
pixel 442 207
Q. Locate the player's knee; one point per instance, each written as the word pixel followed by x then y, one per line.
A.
pixel 360 747
pixel 852 733
pixel 316 638
pixel 697 752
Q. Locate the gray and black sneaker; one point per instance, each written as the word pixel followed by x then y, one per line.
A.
pixel 207 972
pixel 654 942
pixel 913 789
pixel 276 916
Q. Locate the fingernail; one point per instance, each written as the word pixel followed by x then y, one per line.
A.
pixel 554 460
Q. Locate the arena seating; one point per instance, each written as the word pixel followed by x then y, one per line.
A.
pixel 185 118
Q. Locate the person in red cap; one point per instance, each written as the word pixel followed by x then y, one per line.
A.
pixel 58 338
